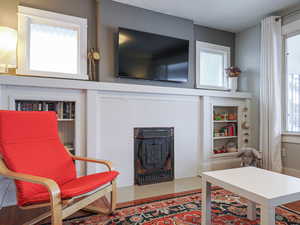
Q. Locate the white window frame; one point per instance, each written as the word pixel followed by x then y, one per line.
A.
pixel 288 30
pixel 213 48
pixel 26 16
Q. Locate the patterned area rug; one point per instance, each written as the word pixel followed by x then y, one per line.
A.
pixel 185 209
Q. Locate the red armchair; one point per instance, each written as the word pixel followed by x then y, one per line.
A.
pixel 43 170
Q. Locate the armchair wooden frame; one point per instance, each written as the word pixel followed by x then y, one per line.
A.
pixel 60 209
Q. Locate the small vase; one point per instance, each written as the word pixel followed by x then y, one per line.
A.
pixel 233 83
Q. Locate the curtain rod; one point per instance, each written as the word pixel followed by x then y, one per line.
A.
pixel 295 12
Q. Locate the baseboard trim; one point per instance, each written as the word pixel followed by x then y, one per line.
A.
pixel 291 172
pixel 219 164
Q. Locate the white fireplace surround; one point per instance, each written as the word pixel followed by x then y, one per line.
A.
pixel 106 114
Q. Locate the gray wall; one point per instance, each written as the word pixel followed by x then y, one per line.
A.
pixel 218 37
pixel 290 14
pixel 113 15
pixel 291 159
pixel 247 56
pixel 110 16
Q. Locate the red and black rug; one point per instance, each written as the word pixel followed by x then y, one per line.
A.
pixel 185 209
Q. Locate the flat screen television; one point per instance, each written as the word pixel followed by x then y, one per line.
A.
pixel 149 56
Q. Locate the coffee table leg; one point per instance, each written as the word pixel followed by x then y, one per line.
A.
pixel 251 210
pixel 267 215
pixel 206 202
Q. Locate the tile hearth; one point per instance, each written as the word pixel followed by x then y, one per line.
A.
pixel 135 192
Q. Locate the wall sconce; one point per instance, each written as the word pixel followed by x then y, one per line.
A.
pixel 8 46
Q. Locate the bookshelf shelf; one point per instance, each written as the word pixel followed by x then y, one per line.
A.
pixel 65 120
pixel 225 121
pixel 225 137
pixel 227 154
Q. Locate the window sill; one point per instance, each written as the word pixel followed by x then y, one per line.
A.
pixel 290 137
pixel 53 75
pixel 213 88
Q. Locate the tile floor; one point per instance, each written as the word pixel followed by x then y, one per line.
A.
pixel 131 193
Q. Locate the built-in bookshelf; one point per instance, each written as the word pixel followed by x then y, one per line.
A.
pixel 225 130
pixel 65 111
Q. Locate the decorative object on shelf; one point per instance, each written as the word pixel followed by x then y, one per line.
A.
pixel 8 46
pixel 233 71
pixel 218 116
pixel 93 56
pixel 250 157
pixel 233 74
pixel 232 116
pixel 231 146
pixel 225 116
pixel 220 150
pixel 245 125
pixel 226 131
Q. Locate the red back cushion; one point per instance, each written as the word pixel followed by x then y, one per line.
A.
pixel 29 143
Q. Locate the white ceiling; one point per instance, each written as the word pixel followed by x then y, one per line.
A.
pixel 230 15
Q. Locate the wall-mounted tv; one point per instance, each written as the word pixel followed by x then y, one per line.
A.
pixel 150 56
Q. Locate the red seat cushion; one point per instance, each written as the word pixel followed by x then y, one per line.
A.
pixel 75 187
pixel 29 143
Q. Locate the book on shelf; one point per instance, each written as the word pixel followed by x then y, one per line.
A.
pixel 229 130
pixel 64 110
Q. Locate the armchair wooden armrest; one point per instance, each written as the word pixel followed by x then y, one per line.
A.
pixel 108 164
pixel 51 185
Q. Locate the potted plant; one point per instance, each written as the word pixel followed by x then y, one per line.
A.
pixel 233 74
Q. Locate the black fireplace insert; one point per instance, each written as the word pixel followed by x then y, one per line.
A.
pixel 153 155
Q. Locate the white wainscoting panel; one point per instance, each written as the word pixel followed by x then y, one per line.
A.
pixel 121 113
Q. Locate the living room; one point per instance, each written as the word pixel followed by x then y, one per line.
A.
pixel 175 100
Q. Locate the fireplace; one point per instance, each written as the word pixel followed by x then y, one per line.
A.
pixel 153 155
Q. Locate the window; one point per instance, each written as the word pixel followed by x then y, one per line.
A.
pixel 211 62
pixel 52 44
pixel 61 38
pixel 292 46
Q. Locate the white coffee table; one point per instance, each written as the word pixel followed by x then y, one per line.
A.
pixel 269 189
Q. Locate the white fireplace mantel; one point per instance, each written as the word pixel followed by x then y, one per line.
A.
pixel 116 87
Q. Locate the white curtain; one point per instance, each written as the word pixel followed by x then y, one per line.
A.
pixel 270 93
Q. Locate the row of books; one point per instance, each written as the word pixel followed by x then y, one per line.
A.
pixel 64 110
pixel 229 130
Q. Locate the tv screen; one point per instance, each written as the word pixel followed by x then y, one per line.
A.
pixel 152 57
